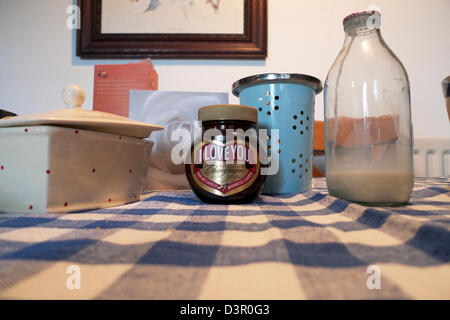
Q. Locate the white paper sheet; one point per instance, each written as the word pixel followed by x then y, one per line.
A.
pixel 172 110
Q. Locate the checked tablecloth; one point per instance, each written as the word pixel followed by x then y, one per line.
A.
pixel 169 245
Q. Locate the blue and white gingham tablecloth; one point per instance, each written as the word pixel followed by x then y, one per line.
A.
pixel 172 246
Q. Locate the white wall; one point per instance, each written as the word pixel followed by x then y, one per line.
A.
pixel 37 53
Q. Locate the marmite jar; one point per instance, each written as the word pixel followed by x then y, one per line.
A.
pixel 225 165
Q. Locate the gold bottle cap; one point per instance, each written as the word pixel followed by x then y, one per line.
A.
pixel 228 112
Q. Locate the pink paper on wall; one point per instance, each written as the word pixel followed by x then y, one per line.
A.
pixel 112 85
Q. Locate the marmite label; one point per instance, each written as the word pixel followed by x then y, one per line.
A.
pixel 224 169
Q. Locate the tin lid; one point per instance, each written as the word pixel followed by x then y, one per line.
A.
pixel 228 112
pixel 364 19
pixel 73 116
pixel 266 78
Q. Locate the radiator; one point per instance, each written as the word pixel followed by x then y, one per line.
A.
pixel 431 157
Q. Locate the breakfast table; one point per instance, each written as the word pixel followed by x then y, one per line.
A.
pixel 169 245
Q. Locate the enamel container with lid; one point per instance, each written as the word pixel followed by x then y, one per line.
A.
pixel 71 159
pixel 285 104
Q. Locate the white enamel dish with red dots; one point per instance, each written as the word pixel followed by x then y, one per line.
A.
pixel 52 166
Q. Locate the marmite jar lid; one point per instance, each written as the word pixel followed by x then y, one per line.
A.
pixel 228 112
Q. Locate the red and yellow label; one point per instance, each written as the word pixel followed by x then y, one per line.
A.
pixel 224 169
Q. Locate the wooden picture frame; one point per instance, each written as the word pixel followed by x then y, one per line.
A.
pixel 251 44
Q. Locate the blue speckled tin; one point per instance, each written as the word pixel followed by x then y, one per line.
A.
pixel 285 102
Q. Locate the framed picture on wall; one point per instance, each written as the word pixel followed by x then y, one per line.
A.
pixel 173 29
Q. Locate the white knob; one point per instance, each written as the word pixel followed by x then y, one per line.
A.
pixel 73 96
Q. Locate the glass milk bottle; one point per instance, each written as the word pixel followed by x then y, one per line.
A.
pixel 368 118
